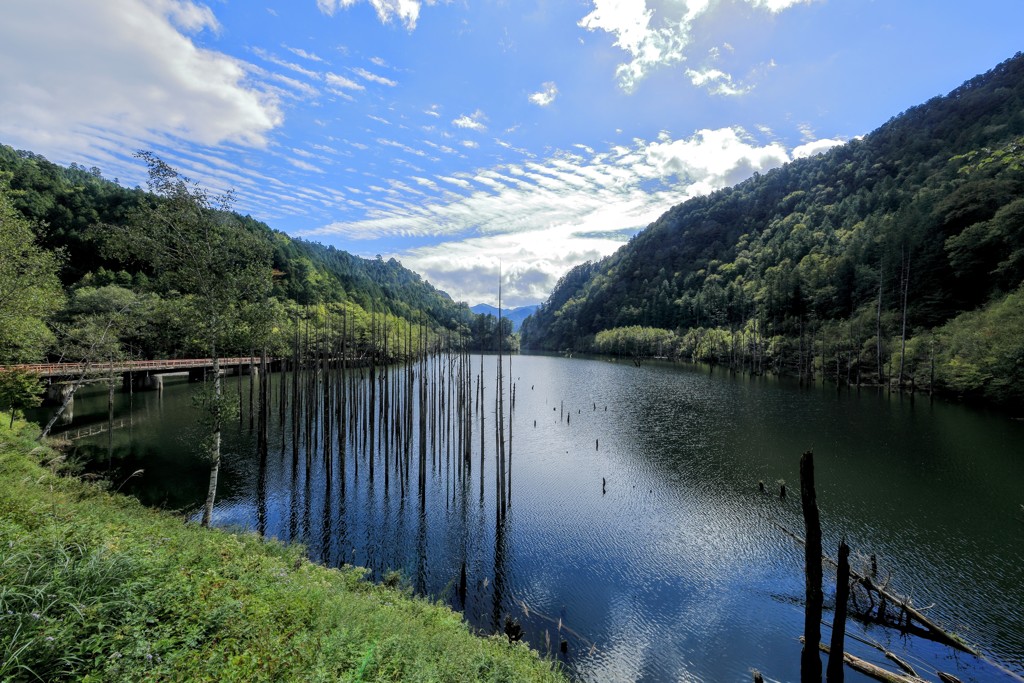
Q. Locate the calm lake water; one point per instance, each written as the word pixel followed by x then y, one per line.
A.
pixel 678 570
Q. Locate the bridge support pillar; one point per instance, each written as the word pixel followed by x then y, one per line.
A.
pixel 143 381
pixel 202 374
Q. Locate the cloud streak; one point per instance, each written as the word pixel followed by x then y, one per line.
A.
pixel 542 217
pixel 407 11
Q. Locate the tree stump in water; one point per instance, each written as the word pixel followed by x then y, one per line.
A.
pixel 810 660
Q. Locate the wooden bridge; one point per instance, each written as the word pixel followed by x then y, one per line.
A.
pixel 65 371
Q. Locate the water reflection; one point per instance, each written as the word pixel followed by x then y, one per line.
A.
pixel 653 556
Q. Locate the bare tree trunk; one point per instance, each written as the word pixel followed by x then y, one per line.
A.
pixel 834 672
pixel 810 660
pixel 903 333
pixel 211 492
pixel 878 326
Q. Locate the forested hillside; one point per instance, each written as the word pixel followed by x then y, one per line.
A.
pixel 895 258
pixel 73 217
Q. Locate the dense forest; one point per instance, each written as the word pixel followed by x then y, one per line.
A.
pixel 897 258
pixel 95 278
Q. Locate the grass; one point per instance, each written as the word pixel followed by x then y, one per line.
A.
pixel 96 587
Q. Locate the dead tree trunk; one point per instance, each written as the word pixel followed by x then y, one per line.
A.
pixel 810 660
pixel 834 673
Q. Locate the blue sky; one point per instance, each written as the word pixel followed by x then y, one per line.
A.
pixel 466 135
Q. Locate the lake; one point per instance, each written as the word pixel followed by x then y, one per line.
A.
pixel 636 532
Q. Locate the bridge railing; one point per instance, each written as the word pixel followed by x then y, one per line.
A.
pixel 167 365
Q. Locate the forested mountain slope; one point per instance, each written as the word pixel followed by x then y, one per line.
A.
pixel 859 263
pixel 76 214
pixel 68 202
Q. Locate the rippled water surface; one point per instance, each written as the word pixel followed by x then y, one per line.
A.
pixel 636 531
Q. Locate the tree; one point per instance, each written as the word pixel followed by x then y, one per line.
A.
pixel 19 389
pixel 196 246
pixel 30 290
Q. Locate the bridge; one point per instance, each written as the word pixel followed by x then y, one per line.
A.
pixel 63 378
pixel 57 372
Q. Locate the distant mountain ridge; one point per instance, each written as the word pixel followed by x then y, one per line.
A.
pixel 897 258
pixel 517 315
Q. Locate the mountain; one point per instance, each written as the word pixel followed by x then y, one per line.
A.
pixel 516 315
pixel 70 201
pixel 896 258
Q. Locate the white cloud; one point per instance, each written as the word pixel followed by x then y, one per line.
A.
pixel 716 81
pixel 305 165
pixel 778 5
pixel 470 144
pixel 657 33
pixel 88 79
pixel 809 149
pixel 648 46
pixel 407 11
pixel 546 95
pixel 372 77
pixel 297 68
pixel 569 207
pixel 473 122
pixel 530 263
pixel 715 158
pixel 342 82
pixel 299 52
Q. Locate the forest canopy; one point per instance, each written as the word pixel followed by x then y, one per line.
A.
pixel 896 258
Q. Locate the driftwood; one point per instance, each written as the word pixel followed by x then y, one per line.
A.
pixel 873 670
pixel 928 629
pixel 888 655
pixel 900 663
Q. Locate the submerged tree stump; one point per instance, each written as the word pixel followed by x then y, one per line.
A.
pixel 834 672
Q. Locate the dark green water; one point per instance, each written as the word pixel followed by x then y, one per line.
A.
pixel 679 570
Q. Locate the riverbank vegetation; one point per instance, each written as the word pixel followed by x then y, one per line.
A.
pixel 93 586
pixel 895 259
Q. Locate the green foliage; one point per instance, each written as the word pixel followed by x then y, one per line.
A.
pixel 636 341
pixel 197 248
pixel 981 353
pixel 29 289
pixel 93 586
pixel 88 217
pixel 787 271
pixel 19 389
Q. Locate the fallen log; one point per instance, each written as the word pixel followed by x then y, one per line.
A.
pixel 873 670
pixel 930 630
pixel 900 663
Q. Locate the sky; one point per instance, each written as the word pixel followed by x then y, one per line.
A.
pixel 476 137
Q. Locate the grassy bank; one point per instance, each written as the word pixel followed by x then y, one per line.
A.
pixel 93 586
